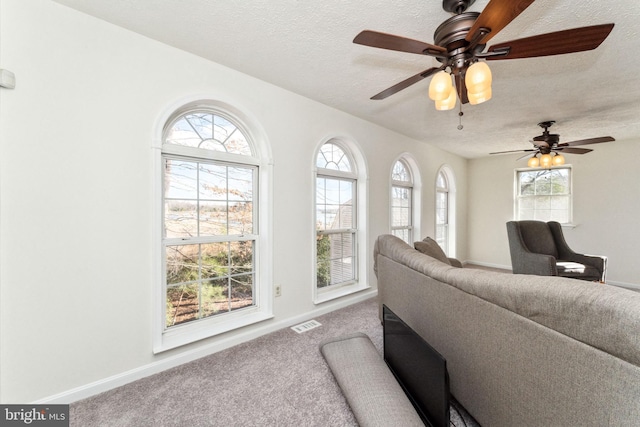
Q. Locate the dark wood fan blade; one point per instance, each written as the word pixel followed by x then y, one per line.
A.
pixel 557 43
pixel 572 150
pixel 405 83
pixel 513 151
pixel 461 87
pixel 495 16
pixel 401 44
pixel 587 141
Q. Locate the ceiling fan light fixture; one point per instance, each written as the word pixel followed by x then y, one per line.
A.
pixel 546 161
pixel 558 160
pixel 440 87
pixel 479 97
pixel 478 77
pixel 449 103
pixel 533 162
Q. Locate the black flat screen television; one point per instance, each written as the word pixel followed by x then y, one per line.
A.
pixel 419 368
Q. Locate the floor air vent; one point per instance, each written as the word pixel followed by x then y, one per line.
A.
pixel 304 327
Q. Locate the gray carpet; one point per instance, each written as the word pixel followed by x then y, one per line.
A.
pixel 280 379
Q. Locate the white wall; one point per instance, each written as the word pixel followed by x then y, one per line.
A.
pixel 76 196
pixel 606 200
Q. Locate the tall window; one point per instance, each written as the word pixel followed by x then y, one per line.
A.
pixel 442 211
pixel 445 210
pixel 402 201
pixel 210 244
pixel 544 194
pixel 336 217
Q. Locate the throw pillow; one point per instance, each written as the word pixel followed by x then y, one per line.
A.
pixel 430 247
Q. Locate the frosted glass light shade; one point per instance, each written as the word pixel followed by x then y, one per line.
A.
pixel 479 97
pixel 478 77
pixel 545 160
pixel 558 160
pixel 449 103
pixel 533 162
pixel 440 86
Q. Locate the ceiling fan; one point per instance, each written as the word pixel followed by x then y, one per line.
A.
pixel 459 44
pixel 550 150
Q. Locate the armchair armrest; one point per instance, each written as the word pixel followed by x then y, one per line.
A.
pixel 599 262
pixel 566 253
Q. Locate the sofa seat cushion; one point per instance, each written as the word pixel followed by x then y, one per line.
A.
pixel 577 270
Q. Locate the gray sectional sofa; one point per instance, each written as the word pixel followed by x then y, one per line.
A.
pixel 521 350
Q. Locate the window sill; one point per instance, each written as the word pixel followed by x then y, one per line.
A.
pixel 325 295
pixel 206 328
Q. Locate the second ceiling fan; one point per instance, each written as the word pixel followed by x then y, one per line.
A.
pixel 459 44
pixel 548 149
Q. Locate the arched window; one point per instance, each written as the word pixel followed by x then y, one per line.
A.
pixel 210 242
pixel 445 210
pixel 402 201
pixel 337 221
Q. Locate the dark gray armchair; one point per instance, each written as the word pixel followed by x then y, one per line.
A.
pixel 539 248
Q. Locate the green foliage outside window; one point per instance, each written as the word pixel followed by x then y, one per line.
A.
pixel 323 244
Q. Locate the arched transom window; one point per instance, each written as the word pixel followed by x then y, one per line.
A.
pixel 208 131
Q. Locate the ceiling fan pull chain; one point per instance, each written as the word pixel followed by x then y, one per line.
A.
pixel 460 114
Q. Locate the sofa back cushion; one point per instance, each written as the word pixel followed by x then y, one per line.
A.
pixel 602 316
pixel 430 247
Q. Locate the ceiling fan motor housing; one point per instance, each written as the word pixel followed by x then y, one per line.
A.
pixel 451 35
pixel 546 139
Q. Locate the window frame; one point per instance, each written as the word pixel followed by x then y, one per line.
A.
pixel 356 176
pixel 518 198
pixel 188 332
pixel 449 243
pixel 407 185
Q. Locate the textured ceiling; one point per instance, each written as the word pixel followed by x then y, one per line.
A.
pixel 306 47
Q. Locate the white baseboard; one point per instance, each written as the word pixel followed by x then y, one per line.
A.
pixel 127 377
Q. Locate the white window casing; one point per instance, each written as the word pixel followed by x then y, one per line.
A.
pixel 212 264
pixel 339 223
pixel 402 203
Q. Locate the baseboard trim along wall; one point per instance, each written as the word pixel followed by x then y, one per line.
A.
pixel 127 377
